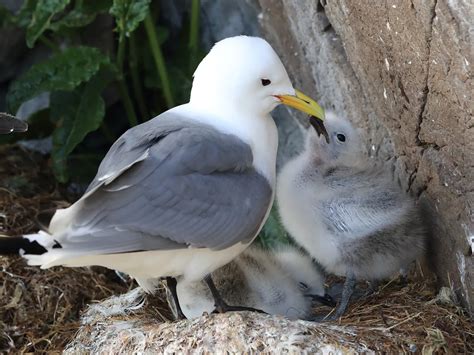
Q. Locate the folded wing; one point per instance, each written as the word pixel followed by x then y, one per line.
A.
pixel 168 184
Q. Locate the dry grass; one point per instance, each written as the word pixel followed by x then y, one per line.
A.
pixel 397 319
pixel 411 317
pixel 40 309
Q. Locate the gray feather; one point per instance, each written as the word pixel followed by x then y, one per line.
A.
pixel 172 183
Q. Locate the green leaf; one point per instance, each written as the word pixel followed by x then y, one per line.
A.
pixel 77 112
pixel 44 12
pixel 23 18
pixel 273 234
pixel 6 17
pixel 83 13
pixel 63 71
pixel 128 15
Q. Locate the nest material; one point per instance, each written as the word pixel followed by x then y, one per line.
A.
pixel 40 309
pixel 397 319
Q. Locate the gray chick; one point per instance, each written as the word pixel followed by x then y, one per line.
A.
pixel 284 282
pixel 347 212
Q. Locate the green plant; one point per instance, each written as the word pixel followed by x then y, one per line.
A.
pixel 273 234
pixel 76 75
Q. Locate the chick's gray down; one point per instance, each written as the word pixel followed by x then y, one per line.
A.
pixel 346 210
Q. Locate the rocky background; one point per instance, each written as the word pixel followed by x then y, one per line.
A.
pixel 401 70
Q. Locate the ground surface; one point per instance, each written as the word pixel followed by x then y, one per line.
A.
pixel 40 310
pixel 397 319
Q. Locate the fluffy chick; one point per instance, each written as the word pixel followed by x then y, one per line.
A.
pixel 346 211
pixel 283 282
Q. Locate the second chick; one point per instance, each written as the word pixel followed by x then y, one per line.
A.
pixel 284 282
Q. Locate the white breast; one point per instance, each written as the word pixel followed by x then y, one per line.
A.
pixel 298 204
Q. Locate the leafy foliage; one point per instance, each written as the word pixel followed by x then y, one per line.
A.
pixel 129 14
pixel 76 76
pixel 41 18
pixel 83 13
pixel 273 234
pixel 24 17
pixel 77 112
pixel 63 71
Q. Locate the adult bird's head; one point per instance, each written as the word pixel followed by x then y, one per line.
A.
pixel 244 74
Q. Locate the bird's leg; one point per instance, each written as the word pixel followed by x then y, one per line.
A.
pixel 220 304
pixel 403 276
pixel 373 287
pixel 347 291
pixel 171 283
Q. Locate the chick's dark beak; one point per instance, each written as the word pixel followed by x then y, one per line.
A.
pixel 318 125
pixel 326 300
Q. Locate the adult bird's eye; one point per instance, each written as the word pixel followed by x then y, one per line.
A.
pixel 341 137
pixel 266 82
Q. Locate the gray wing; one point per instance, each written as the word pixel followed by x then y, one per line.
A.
pixel 9 124
pixel 169 184
pixel 366 202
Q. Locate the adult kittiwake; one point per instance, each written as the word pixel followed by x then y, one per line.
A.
pixel 188 191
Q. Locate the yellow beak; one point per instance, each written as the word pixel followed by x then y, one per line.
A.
pixel 303 103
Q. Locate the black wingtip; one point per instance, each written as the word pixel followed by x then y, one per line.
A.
pixel 18 245
pixel 10 124
pixel 318 125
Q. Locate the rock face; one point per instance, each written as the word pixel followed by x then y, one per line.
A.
pixel 401 70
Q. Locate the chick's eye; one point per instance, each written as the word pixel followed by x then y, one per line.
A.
pixel 341 137
pixel 266 82
pixel 303 286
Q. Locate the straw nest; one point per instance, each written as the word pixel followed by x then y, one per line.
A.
pixel 397 318
pixel 40 309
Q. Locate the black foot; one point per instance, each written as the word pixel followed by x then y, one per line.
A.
pixel 223 308
pixel 403 280
pixel 171 283
pixel 326 300
pixel 347 292
pixel 373 288
pixel 221 305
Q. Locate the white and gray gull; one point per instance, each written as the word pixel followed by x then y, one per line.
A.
pixel 348 212
pixel 283 281
pixel 186 192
